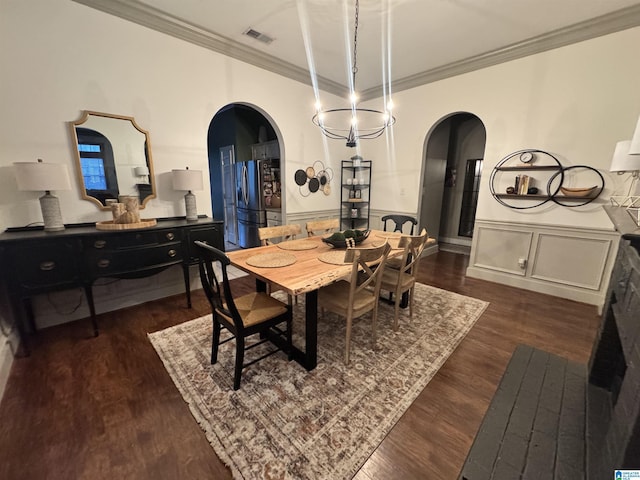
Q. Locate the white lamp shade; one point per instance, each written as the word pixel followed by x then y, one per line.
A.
pixel 622 161
pixel 41 176
pixel 634 147
pixel 140 171
pixel 187 179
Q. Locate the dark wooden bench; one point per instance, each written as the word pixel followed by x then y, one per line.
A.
pixel 535 424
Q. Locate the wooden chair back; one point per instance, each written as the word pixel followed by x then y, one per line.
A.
pixel 322 227
pixel 216 289
pixel 284 232
pixel 367 267
pixel 413 247
pixel 398 222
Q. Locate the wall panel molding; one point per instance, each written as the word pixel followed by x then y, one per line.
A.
pixel 567 262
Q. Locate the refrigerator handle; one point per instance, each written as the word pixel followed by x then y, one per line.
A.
pixel 245 184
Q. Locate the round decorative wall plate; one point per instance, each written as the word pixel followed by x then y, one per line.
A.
pixel 300 177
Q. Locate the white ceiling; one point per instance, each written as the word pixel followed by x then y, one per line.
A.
pixel 409 42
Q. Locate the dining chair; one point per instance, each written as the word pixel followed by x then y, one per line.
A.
pixel 398 222
pixel 250 314
pixel 358 295
pixel 322 227
pixel 399 281
pixel 284 232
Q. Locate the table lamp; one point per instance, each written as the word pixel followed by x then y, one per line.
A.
pixel 634 147
pixel 142 172
pixel 41 176
pixel 188 180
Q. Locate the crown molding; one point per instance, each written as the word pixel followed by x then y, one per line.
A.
pixel 155 19
pixel 150 17
pixel 610 23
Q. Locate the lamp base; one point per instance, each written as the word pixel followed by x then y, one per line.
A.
pixel 51 214
pixel 190 204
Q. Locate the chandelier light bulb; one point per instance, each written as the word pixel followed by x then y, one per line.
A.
pixel 385 117
pixel 321 116
pixel 390 105
pixel 354 121
pixel 318 106
pixel 353 97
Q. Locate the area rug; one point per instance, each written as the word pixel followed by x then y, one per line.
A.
pixel 287 423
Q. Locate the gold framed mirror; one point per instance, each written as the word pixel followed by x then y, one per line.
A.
pixel 113 158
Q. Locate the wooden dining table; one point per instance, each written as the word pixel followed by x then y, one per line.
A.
pixel 297 267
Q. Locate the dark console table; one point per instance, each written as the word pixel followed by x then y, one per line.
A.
pixel 35 262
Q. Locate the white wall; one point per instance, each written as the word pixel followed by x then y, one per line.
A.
pixel 60 58
pixel 576 102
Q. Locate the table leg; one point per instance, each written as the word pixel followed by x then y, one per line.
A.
pixel 308 357
pixel 311 330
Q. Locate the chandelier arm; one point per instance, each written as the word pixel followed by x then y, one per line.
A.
pixel 356 128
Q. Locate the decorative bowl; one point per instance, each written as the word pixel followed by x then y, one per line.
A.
pixel 578 192
pixel 343 243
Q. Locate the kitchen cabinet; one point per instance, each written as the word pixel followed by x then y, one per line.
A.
pixel 265 150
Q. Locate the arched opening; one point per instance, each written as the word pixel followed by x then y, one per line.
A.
pixel 454 153
pixel 236 136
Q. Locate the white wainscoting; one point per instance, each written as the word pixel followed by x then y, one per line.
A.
pixel 573 263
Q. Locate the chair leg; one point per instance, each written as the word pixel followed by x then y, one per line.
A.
pixel 411 303
pixel 239 362
pixel 397 311
pixel 374 323
pixel 348 342
pixel 215 341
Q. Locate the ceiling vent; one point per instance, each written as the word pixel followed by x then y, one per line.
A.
pixel 261 37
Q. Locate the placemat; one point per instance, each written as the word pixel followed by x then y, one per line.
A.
pixel 334 257
pixel 271 260
pixel 298 245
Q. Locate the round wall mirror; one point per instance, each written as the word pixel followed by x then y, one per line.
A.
pixel 113 158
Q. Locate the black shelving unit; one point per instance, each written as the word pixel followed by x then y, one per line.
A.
pixel 355 194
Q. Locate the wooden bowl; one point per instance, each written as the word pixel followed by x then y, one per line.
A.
pixel 578 192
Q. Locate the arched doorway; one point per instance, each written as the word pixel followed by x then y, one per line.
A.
pixel 454 153
pixel 234 132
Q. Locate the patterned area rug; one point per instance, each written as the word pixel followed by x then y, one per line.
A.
pixel 287 423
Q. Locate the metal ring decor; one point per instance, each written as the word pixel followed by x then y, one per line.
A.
pixel 545 162
pixel 558 198
pixel 313 179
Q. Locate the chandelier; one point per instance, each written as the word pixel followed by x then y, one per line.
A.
pixel 353 123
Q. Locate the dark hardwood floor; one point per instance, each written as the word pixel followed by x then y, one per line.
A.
pixel 101 408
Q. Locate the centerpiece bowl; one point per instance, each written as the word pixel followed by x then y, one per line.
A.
pixel 346 238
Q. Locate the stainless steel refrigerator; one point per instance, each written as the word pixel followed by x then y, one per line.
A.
pixel 251 211
pixel 228 166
